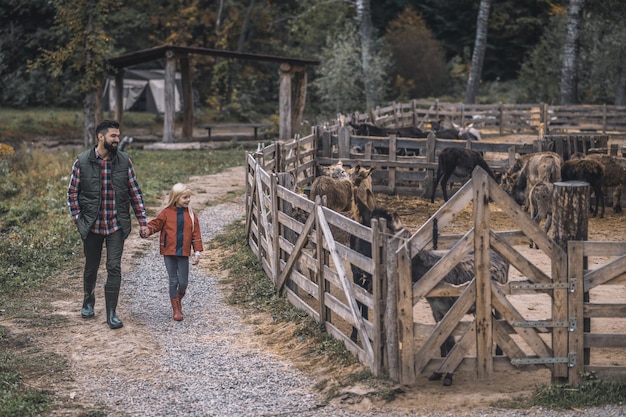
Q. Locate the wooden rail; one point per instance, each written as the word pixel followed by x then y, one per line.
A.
pixel 503 118
pixel 254 126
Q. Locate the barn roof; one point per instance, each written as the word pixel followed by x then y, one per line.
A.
pixel 147 55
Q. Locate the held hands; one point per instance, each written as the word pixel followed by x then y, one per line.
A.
pixel 144 231
pixel 195 258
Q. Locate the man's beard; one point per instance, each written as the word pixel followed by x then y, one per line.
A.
pixel 109 147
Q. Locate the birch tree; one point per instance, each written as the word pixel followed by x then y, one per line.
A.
pixel 569 73
pixel 366 33
pixel 480 46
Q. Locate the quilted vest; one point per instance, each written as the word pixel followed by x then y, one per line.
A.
pixel 89 197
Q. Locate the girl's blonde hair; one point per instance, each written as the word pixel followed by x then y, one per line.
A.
pixel 177 190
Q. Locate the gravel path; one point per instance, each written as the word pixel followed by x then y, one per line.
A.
pixel 207 365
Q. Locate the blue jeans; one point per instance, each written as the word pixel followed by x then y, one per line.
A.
pixel 178 272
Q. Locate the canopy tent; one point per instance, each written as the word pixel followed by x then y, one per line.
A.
pixel 144 90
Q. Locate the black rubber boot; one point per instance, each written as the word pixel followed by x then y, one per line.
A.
pixel 111 304
pixel 88 302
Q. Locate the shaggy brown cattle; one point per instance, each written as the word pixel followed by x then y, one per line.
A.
pixel 457 161
pixel 588 170
pixel 335 171
pixel 614 176
pixel 540 199
pixel 544 166
pixel 340 192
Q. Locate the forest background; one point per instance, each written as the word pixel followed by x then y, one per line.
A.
pixel 53 52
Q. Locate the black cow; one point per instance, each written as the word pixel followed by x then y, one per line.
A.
pixel 588 170
pixel 457 161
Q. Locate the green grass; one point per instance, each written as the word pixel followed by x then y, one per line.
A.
pixel 26 123
pixel 591 392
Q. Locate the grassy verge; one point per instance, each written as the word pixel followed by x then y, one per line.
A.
pixel 591 392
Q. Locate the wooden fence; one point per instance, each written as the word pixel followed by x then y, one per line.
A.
pixel 304 248
pixel 503 118
pixel 404 175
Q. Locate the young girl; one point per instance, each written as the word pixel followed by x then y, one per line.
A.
pixel 180 232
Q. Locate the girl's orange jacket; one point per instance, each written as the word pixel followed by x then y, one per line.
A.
pixel 166 223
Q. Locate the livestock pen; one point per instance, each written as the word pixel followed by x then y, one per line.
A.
pixel 304 248
pixel 503 118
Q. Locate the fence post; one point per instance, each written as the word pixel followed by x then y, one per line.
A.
pixel 391 311
pixel 343 138
pixel 325 142
pixel 391 181
pixel 484 323
pixel 378 282
pixel 575 274
pixel 324 312
pixel 405 318
pixel 571 222
pixel 501 117
pixel 274 239
pixel 431 148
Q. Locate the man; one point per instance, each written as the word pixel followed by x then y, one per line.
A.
pixel 102 188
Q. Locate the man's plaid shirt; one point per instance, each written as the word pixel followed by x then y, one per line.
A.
pixel 107 222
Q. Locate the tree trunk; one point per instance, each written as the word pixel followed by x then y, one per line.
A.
pixel 569 76
pixel 89 118
pixel 620 94
pixel 99 113
pixel 364 16
pixel 480 46
pixel 218 19
pixel 244 26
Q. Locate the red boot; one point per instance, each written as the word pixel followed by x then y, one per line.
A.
pixel 178 314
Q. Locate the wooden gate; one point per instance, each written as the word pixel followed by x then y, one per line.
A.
pixel 563 342
pixel 524 341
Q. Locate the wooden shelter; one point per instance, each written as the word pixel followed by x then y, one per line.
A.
pixel 290 111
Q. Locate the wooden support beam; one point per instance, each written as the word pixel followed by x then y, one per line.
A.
pixel 187 97
pixel 284 102
pixel 170 97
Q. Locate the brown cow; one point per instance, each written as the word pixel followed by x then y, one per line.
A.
pixel 543 166
pixel 340 192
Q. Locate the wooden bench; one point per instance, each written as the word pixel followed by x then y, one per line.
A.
pixel 254 126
